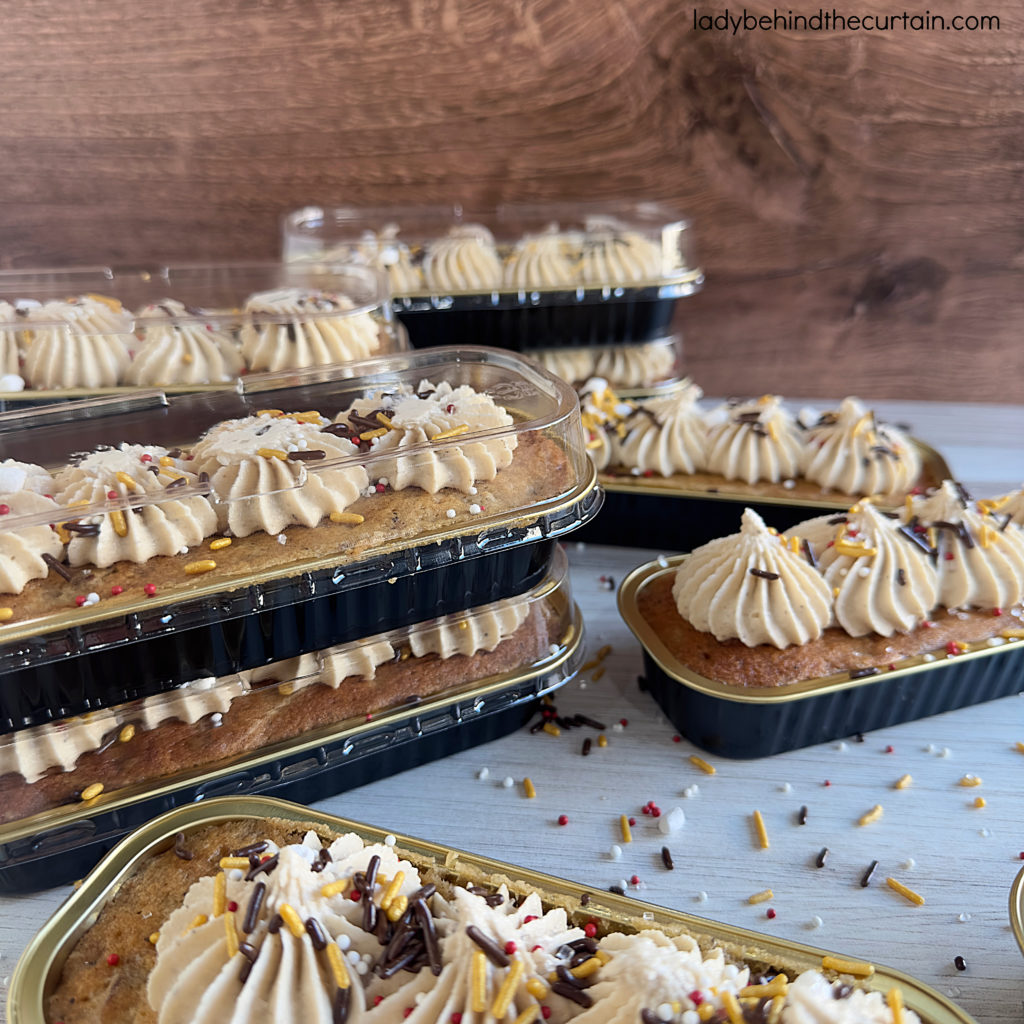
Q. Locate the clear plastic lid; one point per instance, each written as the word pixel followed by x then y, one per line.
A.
pixel 556 247
pixel 291 486
pixel 213 724
pixel 76 333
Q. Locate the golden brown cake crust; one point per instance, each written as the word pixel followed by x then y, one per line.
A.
pixel 393 520
pixel 732 662
pixel 266 716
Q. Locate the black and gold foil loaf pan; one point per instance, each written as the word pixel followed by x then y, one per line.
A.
pixel 748 722
pixel 39 968
pixel 1017 909
pixel 62 842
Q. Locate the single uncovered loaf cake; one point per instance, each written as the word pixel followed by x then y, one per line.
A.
pixel 855 593
pixel 247 921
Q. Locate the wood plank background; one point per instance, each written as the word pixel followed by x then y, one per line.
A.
pixel 858 196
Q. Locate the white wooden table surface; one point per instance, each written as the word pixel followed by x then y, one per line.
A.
pixel 960 858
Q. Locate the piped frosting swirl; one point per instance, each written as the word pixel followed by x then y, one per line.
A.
pixel 465 260
pixel 540 261
pixel 666 435
pixel 753 587
pixel 24 550
pixel 757 440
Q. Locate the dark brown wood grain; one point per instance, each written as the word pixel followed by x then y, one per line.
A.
pixel 858 196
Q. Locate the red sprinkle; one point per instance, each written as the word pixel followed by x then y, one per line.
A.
pixel 150 589
pixel 997 611
pixel 1022 854
pixel 770 914
pixel 369 716
pixel 590 929
pixel 948 556
pixel 111 494
pixel 407 1011
pixel 533 949
pixel 80 600
pixel 381 488
pixel 623 722
pixel 563 819
pixel 890 749
pixel 145 458
pixel 696 998
pixel 827 783
pixel 377 1000
pixel 232 906
pixel 529 918
pixel 632 821
pixel 952 647
pixel 113 959
pixel 635 880
pixel 4 509
pixel 456 1017
pixel 355 895
pixel 655 812
pixel 510 947
pixel 677 739
pixel 928 624
pixel 117 589
pixel 545 1012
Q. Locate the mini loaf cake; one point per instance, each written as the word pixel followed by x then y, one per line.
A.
pixel 93 342
pixel 207 723
pixel 245 921
pixel 270 493
pixel 756 448
pixel 858 593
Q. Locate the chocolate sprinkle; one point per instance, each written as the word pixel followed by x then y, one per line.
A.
pixel 585 899
pixel 316 933
pixel 802 816
pixel 649 1016
pixel 593 723
pixel 267 865
pixel 586 944
pixel 247 851
pixel 822 857
pixel 83 529
pixel 763 574
pixel 249 951
pixel 808 551
pixel 313 455
pixel 339 1006
pixel 574 994
pixel 586 747
pixel 865 879
pixel 426 923
pixel 262 430
pixel 274 925
pixel 666 858
pixel 179 847
pixel 494 900
pixel 901 577
pixel 960 963
pixel 57 567
pixel 177 482
pixel 491 949
pixel 252 912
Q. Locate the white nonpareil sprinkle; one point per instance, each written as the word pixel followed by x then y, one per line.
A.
pixel 701 897
pixel 390 840
pixel 691 791
pixel 236 874
pixel 945 752
pixel 419 997
pixel 690 1017
pixel 663 561
pixel 552 648
pixel 984 832
pixel 472 490
pixel 930 749
pixel 964 917
pixel 343 942
pixel 673 821
pixel 450 513
pixel 841 745
pixel 615 853
pixel 508 782
pixel 789 484
pixel 664 1012
pixel 474 509
pixel 815 922
pixel 362 967
pixel 282 539
pixel 383 480
pixel 353 957
pixel 618 727
pixel 909 864
pixel 216 719
pixel 786 788
pixel 483 773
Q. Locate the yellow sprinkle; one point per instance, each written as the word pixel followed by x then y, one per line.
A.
pixel 508 989
pixel 627 834
pixel 230 933
pixel 228 863
pixel 398 907
pixel 778 986
pixel 165 460
pixel 197 921
pixel 596 443
pixel 587 968
pixel 220 893
pixel 858 968
pixel 392 890
pixel 592 664
pixel 339 968
pixel 126 734
pixel 529 1015
pixel 1019 746
pixel 551 729
pixel 125 479
pixel 537 988
pixel 352 518
pixel 705 1011
pixel 462 428
pixel 732 1007
pixel 604 652
pixel 603 957
pixel 154 938
pixel 902 782
pixel 1012 634
pixel 908 504
pixel 862 423
pixel 120 523
pixel 969 781
pixel 986 535
pixel 479 982
pixel 989 505
pixel 762 832
pixel 186 358
pixel 93 791
pixel 334 888
pixel 290 916
pixel 219 543
pixel 602 740
pixel 6 614
pixel 269 412
pixel 271 453
pixel 528 789
pixel 369 435
pixel 385 421
pixel 894 997
pixel 699 762
pixel 836 591
pixel 870 816
pixel 761 897
pixel 932 538
pixel 844 547
pixel 312 416
pixel 979 801
pixel 198 568
pixel 906 893
pixel 598 673
pixel 775 1013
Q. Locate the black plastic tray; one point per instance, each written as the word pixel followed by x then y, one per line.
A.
pixel 523 321
pixel 58 855
pixel 75 671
